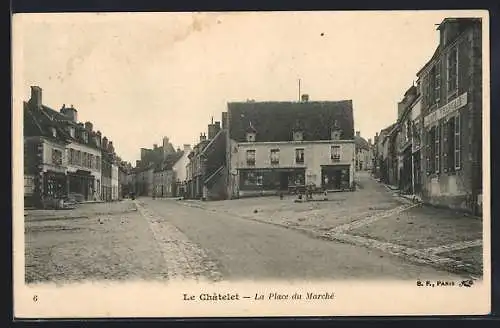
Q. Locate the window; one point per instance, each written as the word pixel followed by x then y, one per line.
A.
pixel 78 160
pixel 251 157
pixel 92 161
pixel 72 132
pixel 275 156
pixel 98 185
pixel 98 162
pixel 57 157
pixel 299 156
pixel 430 150
pixel 457 142
pixel 437 152
pixel 437 82
pixel 29 184
pixel 335 135
pixel 335 155
pixel 452 70
pixel 71 159
pixel 85 136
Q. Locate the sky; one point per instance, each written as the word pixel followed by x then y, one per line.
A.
pixel 141 76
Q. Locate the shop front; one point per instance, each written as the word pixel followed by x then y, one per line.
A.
pixel 54 185
pixel 81 185
pixel 271 181
pixel 335 177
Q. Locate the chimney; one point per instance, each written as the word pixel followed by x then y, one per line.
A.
pixel 212 130
pixel 70 112
pixel 358 134
pixel 89 126
pixel 224 120
pixel 105 143
pixel 137 163
pixel 36 96
pixel 201 137
pixel 217 126
pixel 111 148
pixel 369 141
pixel 155 146
pixel 305 98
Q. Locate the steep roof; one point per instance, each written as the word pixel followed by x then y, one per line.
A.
pixel 275 121
pixel 40 121
pixel 169 162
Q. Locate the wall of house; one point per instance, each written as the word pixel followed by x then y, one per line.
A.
pixel 316 153
pixel 95 170
pixel 48 163
pixel 455 188
pixel 180 167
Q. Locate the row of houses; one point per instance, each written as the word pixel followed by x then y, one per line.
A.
pixel 434 149
pixel 65 158
pixel 261 148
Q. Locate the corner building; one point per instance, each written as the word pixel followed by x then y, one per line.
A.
pixel 451 106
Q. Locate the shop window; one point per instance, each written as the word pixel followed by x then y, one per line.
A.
pixel 452 71
pixel 29 184
pixel 335 153
pixel 57 157
pixel 299 156
pixel 250 157
pixel 275 156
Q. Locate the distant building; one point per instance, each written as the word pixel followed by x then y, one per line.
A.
pixel 206 170
pixel 165 177
pixel 364 155
pixel 286 146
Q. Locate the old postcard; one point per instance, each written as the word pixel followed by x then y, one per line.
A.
pixel 251 164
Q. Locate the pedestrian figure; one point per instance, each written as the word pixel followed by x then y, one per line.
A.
pixel 281 195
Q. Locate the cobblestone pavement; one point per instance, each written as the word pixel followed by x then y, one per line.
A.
pixel 111 241
pixel 376 218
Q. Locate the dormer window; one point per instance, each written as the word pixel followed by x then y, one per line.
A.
pixel 85 136
pixel 298 131
pixel 335 135
pixel 298 136
pixel 54 132
pixel 251 133
pixel 72 132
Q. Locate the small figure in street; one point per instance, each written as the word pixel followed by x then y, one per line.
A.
pixel 281 195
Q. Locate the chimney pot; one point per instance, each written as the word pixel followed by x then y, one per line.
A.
pixel 358 133
pixel 305 97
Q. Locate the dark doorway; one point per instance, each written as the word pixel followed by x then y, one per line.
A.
pixel 284 176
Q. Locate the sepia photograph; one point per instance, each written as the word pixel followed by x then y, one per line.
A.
pixel 251 163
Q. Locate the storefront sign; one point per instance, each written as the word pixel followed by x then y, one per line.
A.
pixel 447 109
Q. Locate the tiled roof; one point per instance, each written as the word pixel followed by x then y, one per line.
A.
pixel 39 122
pixel 361 143
pixel 169 161
pixel 274 121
